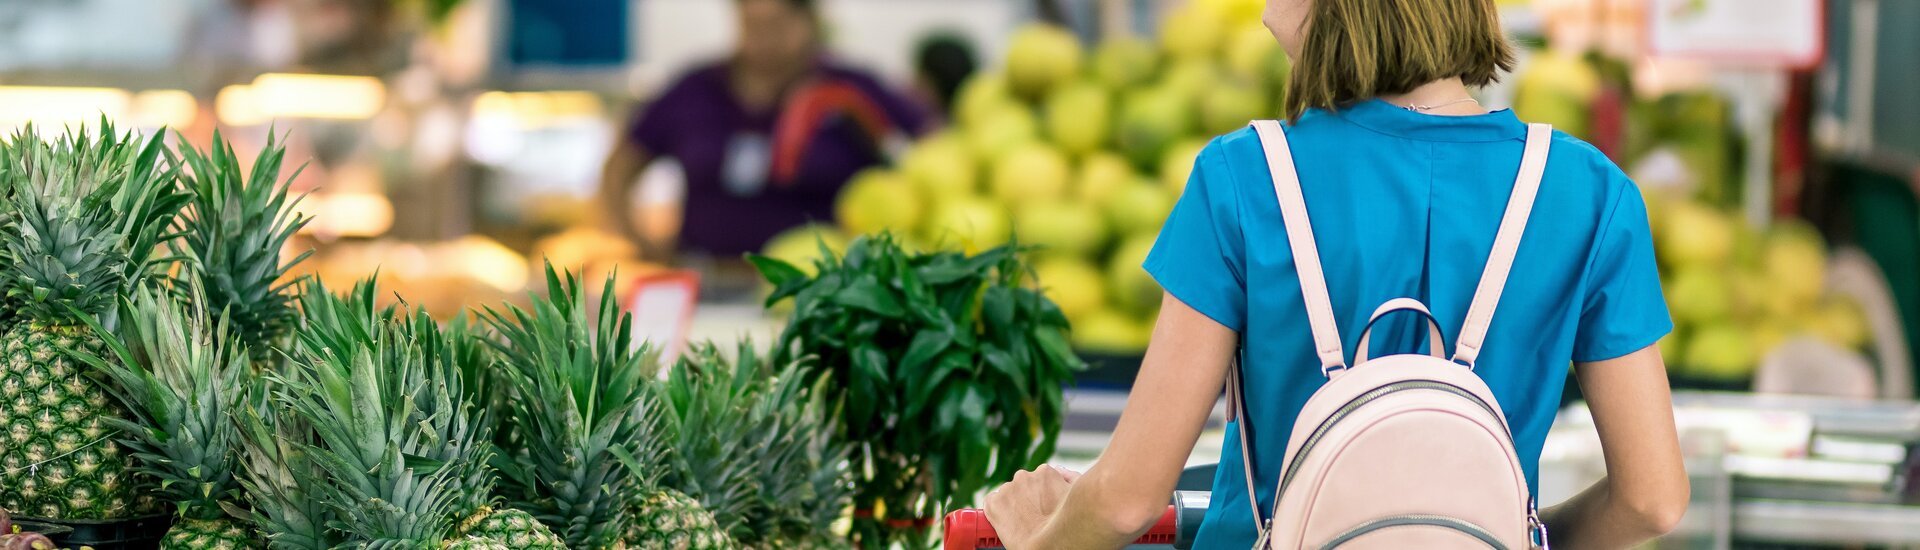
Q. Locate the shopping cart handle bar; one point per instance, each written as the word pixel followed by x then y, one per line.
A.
pixel 1177 527
pixel 969 530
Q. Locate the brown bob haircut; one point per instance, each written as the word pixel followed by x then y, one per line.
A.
pixel 1354 50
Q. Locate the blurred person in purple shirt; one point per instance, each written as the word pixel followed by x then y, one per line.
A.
pixel 766 137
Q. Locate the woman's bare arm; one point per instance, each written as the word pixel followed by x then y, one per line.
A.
pixel 1645 492
pixel 617 181
pixel 1128 489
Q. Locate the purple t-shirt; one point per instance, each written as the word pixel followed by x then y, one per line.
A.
pixel 732 203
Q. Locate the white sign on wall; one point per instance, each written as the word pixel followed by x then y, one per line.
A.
pixel 1780 33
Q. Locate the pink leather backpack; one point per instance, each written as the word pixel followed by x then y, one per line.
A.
pixel 1403 451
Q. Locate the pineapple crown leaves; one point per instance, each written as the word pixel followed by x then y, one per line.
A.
pixel 753 442
pixel 234 230
pixel 179 372
pixel 584 418
pixel 403 453
pixel 87 212
pixel 282 483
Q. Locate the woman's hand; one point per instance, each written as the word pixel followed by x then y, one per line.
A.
pixel 1020 509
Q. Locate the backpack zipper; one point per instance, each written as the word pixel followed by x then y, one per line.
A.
pixel 1293 466
pixel 1424 520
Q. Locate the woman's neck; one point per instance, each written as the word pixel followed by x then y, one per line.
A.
pixel 759 88
pixel 1447 96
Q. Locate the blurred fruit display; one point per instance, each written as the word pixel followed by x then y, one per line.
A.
pixel 1080 152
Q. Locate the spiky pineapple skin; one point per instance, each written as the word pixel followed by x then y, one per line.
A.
pixel 59 460
pixel 515 528
pixel 671 520
pixel 210 534
pixel 477 543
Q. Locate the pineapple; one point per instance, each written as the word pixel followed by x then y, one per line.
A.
pixel 581 433
pixel 786 485
pixel 234 231
pixel 85 214
pixel 180 373
pixel 671 520
pixel 403 451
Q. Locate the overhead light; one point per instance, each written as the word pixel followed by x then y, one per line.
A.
pixel 59 105
pixel 237 105
pixel 340 97
pixel 168 108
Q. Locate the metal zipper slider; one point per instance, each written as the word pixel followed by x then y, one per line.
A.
pixel 1537 529
pixel 1266 530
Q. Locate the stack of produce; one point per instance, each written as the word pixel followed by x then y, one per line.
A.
pixel 1079 155
pixel 1736 292
pixel 142 284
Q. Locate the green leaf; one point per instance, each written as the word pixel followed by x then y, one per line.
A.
pixel 997 307
pixel 927 344
pixel 777 272
pixel 871 363
pixel 866 293
pixel 1004 363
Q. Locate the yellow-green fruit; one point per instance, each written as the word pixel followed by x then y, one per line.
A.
pixel 1080 118
pixel 1558 88
pixel 800 246
pixel 941 166
pixel 1178 165
pixel 967 223
pixel 1723 352
pixel 1227 108
pixel 980 96
pixel 1699 294
pixel 1040 58
pixel 1006 127
pixel 1109 331
pixel 1191 78
pixel 1032 172
pixel 1192 32
pixel 1795 260
pixel 1073 284
pixel 1696 234
pixel 1125 63
pixel 1064 228
pixel 1767 335
pixel 1841 322
pixel 878 200
pixel 1150 121
pixel 1101 175
pixel 1138 207
pixel 1132 289
pixel 1250 52
pixel 1238 12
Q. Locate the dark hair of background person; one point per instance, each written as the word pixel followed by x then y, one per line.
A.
pixel 945 60
pixel 802 5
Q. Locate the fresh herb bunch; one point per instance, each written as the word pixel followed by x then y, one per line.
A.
pixel 947 367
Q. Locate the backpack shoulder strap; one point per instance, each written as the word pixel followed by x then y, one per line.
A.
pixel 1306 254
pixel 1506 243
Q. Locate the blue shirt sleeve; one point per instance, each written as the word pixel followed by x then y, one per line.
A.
pixel 1200 254
pixel 1624 310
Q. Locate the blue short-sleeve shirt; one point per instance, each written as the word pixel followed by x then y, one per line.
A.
pixel 1406 205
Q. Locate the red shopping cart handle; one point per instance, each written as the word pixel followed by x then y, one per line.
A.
pixel 969 530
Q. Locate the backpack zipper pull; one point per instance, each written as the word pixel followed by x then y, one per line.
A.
pixel 1538 528
pixel 1266 530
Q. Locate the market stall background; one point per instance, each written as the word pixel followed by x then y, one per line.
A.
pixel 451 147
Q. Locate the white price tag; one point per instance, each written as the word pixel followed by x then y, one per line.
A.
pixel 662 305
pixel 1772 33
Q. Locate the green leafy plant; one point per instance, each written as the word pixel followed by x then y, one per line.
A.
pixel 947 368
